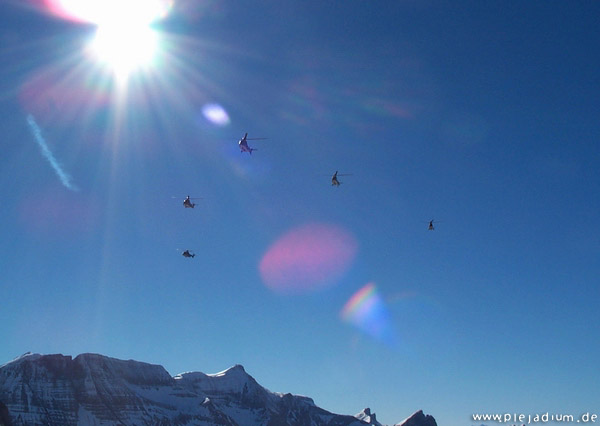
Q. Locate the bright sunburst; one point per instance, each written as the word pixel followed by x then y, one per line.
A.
pixel 124 40
pixel 125 48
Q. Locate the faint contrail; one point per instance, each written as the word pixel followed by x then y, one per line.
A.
pixel 62 175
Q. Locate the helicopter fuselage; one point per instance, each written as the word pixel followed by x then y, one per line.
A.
pixel 334 180
pixel 244 146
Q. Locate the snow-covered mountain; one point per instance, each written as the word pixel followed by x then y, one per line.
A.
pixel 418 419
pixel 94 390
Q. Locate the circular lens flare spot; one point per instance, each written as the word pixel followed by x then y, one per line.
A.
pixel 308 258
pixel 216 114
pixel 59 213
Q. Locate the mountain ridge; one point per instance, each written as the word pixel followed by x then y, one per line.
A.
pixel 93 390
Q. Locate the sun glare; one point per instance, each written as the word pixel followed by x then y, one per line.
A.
pixel 125 48
pixel 124 41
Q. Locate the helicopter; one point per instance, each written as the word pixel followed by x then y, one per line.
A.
pixel 334 179
pixel 187 203
pixel 243 143
pixel 431 227
pixel 187 253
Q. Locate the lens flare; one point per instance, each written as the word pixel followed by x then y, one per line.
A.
pixel 367 311
pixel 308 258
pixel 55 213
pixel 101 12
pixel 216 114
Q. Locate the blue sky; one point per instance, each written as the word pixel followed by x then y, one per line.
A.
pixel 480 115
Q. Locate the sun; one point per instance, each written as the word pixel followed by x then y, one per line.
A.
pixel 125 47
pixel 124 40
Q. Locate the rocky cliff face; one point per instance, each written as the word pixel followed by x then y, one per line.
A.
pixel 4 417
pixel 94 390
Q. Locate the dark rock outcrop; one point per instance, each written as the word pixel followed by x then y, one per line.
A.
pixel 4 415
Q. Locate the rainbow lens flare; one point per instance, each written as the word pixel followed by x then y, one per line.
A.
pixel 368 312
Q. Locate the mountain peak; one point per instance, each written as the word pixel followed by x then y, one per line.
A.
pixel 363 414
pixel 368 417
pixel 233 380
pixel 418 419
pixel 237 369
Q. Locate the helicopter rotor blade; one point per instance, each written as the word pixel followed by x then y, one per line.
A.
pixel 256 139
pixel 339 174
pixel 191 198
